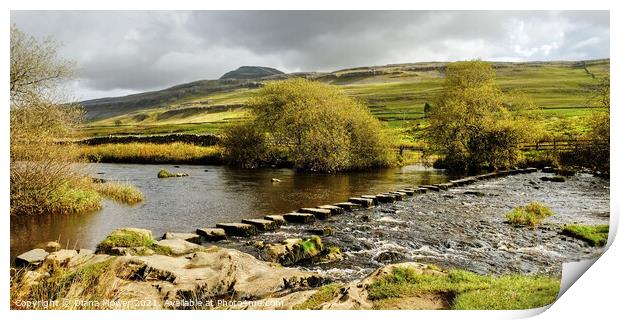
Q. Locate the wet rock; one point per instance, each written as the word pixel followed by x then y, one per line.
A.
pixel 238 229
pixel 389 256
pixel 331 254
pixel 52 246
pixel 374 199
pixel 407 192
pixel 278 219
pixel 163 173
pixel 386 198
pixel 549 170
pixel 212 234
pixel 475 193
pixel 553 179
pixel 191 237
pixel 297 217
pixel 262 224
pixel 292 251
pixel 321 214
pixel 397 195
pixel 327 231
pixel 348 205
pixel 366 203
pixel 31 258
pixel 429 187
pixel 275 180
pixel 365 218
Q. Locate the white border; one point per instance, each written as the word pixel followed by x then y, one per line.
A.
pixel 594 295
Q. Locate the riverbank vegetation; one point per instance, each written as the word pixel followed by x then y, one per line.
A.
pixel 122 192
pixel 593 235
pixel 529 215
pixel 474 125
pixel 176 152
pixel 313 125
pixel 465 290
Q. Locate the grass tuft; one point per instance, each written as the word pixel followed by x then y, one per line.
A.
pixel 529 215
pixel 323 294
pixel 470 291
pixel 593 235
pixel 120 192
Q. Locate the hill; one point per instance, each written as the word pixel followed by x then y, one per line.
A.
pixel 394 93
pixel 249 72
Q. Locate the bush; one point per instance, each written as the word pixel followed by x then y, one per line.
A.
pixel 314 126
pixel 474 125
pixel 529 215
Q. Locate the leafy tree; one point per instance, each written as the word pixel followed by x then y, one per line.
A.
pixel 316 126
pixel 474 124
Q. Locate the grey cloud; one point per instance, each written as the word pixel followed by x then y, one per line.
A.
pixel 131 51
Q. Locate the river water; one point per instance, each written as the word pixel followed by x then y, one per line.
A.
pixel 210 194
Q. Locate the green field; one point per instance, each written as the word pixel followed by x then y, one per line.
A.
pixel 395 94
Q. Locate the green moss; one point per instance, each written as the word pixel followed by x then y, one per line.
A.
pixel 593 235
pixel 529 215
pixel 312 246
pixel 127 239
pixel 322 295
pixel 470 291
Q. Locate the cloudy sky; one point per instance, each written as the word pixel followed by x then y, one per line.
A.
pixel 124 52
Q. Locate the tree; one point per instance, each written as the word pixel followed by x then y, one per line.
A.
pixel 316 126
pixel 474 124
pixel 44 177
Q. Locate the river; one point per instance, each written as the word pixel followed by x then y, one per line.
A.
pixel 210 194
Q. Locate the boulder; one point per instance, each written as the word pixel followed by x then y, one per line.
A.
pixel 318 213
pixel 163 173
pixel 297 217
pixel 120 239
pixel 60 257
pixel 178 247
pixel 292 251
pixel 238 229
pixel 212 234
pixel 31 258
pixel 262 224
pixel 191 237
pixel 52 246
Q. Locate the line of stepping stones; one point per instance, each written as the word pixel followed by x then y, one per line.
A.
pixel 250 227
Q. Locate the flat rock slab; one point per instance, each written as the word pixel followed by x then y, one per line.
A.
pixel 278 219
pixel 348 205
pixel 262 224
pixel 33 257
pixel 463 182
pixel 432 188
pixel 60 257
pixel 180 247
pixel 190 237
pixel 386 198
pixel 399 195
pixel 297 217
pixel 318 213
pixel 238 229
pixel 530 170
pixel 366 203
pixel 407 192
pixel 445 186
pixel 374 199
pixel 212 234
pixel 333 209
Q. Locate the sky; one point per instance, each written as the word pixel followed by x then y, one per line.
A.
pixel 124 52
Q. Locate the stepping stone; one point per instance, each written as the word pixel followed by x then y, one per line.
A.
pixel 319 213
pixel 398 194
pixel 374 199
pixel 348 205
pixel 297 217
pixel 462 182
pixel 530 170
pixel 386 198
pixel 212 234
pixel 238 229
pixel 333 209
pixel 33 257
pixel 262 224
pixel 407 192
pixel 422 190
pixel 366 203
pixel 189 237
pixel 445 186
pixel 429 187
pixel 278 219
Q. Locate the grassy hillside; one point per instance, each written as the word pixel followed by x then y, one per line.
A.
pixel 396 94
